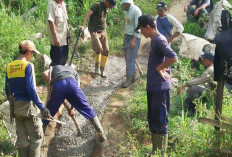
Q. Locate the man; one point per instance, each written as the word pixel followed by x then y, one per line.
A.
pixel 97 28
pixel 198 85
pixel 65 86
pixel 203 7
pixel 166 23
pixel 161 57
pixel 58 31
pixel 131 39
pixel 21 79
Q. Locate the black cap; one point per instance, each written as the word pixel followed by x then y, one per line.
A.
pixel 161 5
pixel 145 20
pixel 112 3
pixel 208 55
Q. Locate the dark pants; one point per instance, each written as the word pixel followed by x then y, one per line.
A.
pixel 59 55
pixel 192 10
pixel 193 92
pixel 69 89
pixel 158 111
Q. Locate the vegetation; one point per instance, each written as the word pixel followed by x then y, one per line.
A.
pixel 187 137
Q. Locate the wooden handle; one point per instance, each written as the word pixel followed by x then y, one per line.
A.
pixel 140 71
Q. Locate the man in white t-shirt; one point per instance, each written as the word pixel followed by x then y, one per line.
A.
pixel 58 31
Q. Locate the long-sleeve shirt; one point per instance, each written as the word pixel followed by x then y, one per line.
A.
pixel 131 20
pixel 168 25
pixel 21 78
pixel 205 79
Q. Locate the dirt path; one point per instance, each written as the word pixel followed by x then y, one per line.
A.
pixel 107 98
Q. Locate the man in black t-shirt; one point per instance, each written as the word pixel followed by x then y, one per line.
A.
pixel 97 28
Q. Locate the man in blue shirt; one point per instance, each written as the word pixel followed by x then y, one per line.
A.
pixel 161 57
pixel 166 23
pixel 21 79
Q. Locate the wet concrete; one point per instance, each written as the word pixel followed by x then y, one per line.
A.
pixel 66 143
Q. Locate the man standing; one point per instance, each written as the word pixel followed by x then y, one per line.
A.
pixel 97 28
pixel 198 85
pixel 203 7
pixel 131 39
pixel 58 31
pixel 20 78
pixel 65 86
pixel 166 23
pixel 161 57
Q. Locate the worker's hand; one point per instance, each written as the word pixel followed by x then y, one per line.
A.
pixel 196 12
pixel 163 73
pixel 133 43
pixel 71 112
pixel 57 42
pixel 180 89
pixel 185 9
pixel 82 28
pixel 45 112
pixel 170 40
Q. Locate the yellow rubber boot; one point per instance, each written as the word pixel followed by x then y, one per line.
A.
pixel 103 64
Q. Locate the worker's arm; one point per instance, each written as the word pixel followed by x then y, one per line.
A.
pixel 31 86
pixel 186 7
pixel 46 76
pixel 54 34
pixel 178 27
pixel 88 14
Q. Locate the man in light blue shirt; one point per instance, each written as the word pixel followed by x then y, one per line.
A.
pixel 131 39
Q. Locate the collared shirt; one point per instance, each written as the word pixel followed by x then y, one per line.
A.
pixel 170 23
pixel 21 78
pixel 57 14
pixel 206 79
pixel 97 21
pixel 159 50
pixel 131 20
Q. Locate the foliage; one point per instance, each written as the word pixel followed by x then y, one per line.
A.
pixel 187 137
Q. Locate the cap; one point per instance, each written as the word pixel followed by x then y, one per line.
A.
pixel 161 5
pixel 28 45
pixel 208 55
pixel 112 3
pixel 145 20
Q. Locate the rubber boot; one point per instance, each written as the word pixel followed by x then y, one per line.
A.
pixel 159 142
pixel 23 152
pixel 129 81
pixel 34 152
pixel 98 127
pixel 102 72
pixel 97 68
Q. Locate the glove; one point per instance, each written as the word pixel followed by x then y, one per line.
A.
pixel 45 112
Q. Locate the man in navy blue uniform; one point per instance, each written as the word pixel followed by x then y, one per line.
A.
pixel 161 57
pixel 21 79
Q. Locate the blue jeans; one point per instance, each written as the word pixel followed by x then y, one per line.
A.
pixel 130 54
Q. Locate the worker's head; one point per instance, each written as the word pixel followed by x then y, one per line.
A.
pixel 146 23
pixel 161 9
pixel 207 58
pixel 27 48
pixel 126 4
pixel 59 1
pixel 110 4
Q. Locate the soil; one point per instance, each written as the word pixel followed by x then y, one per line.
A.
pixel 107 98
